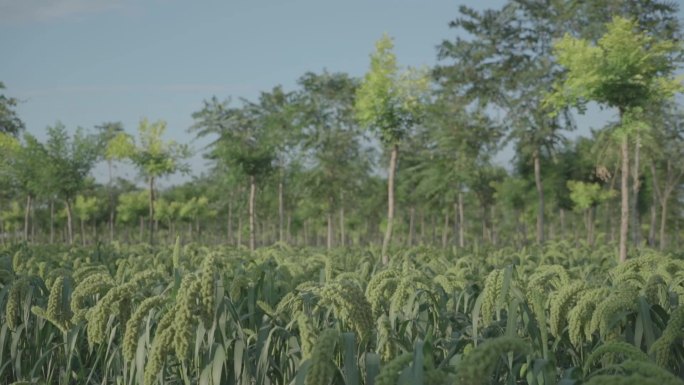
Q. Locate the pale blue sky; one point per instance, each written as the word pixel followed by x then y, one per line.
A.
pixel 84 62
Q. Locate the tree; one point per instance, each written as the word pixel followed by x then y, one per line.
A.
pixel 666 167
pixel 107 132
pixel 69 161
pixel 242 144
pixel 275 112
pixel 485 178
pixel 85 209
pixel 24 166
pixel 11 218
pixel 9 121
pixel 154 157
pixel 9 148
pixel 513 193
pixel 193 210
pixel 626 69
pixel 458 141
pixel 507 64
pixel 132 206
pixel 167 212
pixel 332 142
pixel 391 103
pixel 29 170
pixel 658 17
pixel 585 197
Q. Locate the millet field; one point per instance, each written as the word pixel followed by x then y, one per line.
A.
pixel 190 314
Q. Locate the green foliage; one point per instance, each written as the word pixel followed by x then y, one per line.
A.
pixel 10 123
pixel 477 366
pixel 331 139
pixel 391 371
pixel 585 195
pixel 132 206
pixel 153 156
pixel 130 339
pixel 195 208
pixel 165 312
pixel 387 100
pixel 167 211
pixel 243 142
pixel 662 348
pixel 12 217
pixel 70 160
pixel 323 367
pixel 86 207
pixel 625 69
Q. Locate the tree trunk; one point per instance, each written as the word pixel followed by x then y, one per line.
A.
pixel 142 228
pixel 575 231
pixel 485 229
pixel 461 221
pixel 329 235
pixel 455 224
pixel 151 219
pixel 111 203
pixel 422 226
pixel 493 235
pixel 390 203
pixel 229 224
pixel 412 230
pixel 445 230
pixel 590 225
pixel 610 228
pixel 636 226
pixel 609 205
pixel 239 231
pixel 95 235
pixel 654 218
pixel 27 212
pixel 624 205
pixel 287 231
pixel 524 231
pixel 676 232
pixel 306 232
pixel 343 240
pixel 540 194
pixel 33 223
pixel 671 181
pixel 663 220
pixel 52 221
pixel 262 232
pixel 83 238
pixel 281 212
pixel 252 197
pixel 562 223
pixel 70 227
pixel 433 222
pixel 518 229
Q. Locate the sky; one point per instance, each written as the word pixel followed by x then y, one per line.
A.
pixel 85 62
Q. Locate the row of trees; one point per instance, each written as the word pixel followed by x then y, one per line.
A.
pixel 57 172
pixel 303 165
